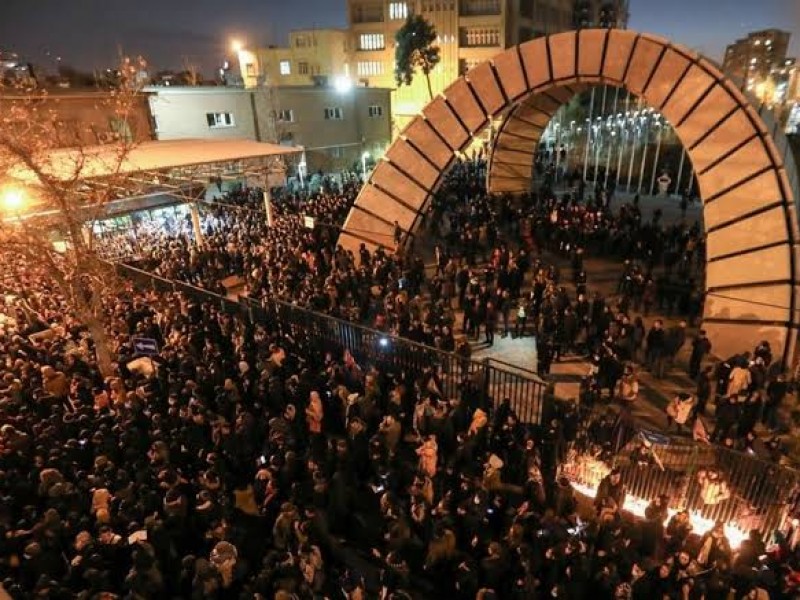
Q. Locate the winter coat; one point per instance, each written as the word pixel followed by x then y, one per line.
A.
pixel 680 409
pixel 428 454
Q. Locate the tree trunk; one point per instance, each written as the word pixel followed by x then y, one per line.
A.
pixel 430 89
pixel 102 351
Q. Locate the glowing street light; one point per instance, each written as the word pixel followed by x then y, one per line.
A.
pixel 364 158
pixel 237 46
pixel 13 199
pixel 342 84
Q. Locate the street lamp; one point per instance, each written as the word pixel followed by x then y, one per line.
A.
pixel 237 46
pixel 364 158
pixel 342 84
pixel 13 199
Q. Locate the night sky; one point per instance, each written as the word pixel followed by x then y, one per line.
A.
pixel 87 33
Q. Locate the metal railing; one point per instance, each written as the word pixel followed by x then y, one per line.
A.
pixel 322 333
pixel 592 441
pixel 712 482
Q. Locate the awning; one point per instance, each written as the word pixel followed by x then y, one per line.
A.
pixel 113 160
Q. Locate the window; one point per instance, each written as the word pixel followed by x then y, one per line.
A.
pixel 369 67
pixel 336 152
pixel 302 68
pixel 375 111
pixel 398 10
pixel 286 67
pixel 221 119
pixel 250 69
pixel 371 41
pixel 333 114
pixel 300 41
pixel 286 115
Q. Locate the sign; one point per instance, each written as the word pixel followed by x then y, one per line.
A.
pixel 308 222
pixel 145 346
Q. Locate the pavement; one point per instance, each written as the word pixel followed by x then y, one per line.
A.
pixel 603 275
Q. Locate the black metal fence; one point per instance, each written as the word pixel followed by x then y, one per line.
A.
pixel 524 390
pixel 712 482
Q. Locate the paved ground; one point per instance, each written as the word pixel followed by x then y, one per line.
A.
pixel 603 275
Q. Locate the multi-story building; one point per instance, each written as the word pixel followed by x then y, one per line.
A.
pixel 469 32
pixel 312 54
pixel 600 13
pixel 334 126
pixel 753 58
pixel 12 68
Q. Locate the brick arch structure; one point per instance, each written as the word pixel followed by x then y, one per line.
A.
pixel 749 207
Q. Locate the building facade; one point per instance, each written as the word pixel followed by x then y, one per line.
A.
pixel 313 55
pixel 754 57
pixel 86 117
pixel 600 13
pixel 336 127
pixel 469 32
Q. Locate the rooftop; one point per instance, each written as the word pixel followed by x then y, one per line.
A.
pixel 109 160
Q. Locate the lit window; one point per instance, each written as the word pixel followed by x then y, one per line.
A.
pixel 286 67
pixel 398 10
pixel 221 119
pixel 375 111
pixel 333 114
pixel 286 115
pixel 369 68
pixel 302 68
pixel 371 41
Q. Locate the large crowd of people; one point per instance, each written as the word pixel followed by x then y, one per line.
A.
pixel 243 461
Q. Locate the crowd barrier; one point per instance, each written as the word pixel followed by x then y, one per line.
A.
pixel 711 482
pixel 523 389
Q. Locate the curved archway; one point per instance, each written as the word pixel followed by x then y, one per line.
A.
pixel 749 211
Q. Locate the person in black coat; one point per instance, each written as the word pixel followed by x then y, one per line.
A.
pixel 701 346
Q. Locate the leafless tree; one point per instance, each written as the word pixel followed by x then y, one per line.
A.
pixel 54 186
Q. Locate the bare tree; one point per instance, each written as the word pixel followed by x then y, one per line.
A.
pixel 54 186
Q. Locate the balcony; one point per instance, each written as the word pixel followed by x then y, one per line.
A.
pixel 368 13
pixel 479 37
pixel 477 8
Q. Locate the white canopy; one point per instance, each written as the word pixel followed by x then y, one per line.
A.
pixel 108 160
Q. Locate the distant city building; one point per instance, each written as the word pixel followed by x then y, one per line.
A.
pixel 335 126
pixel 600 13
pixel 759 61
pixel 12 68
pixel 753 58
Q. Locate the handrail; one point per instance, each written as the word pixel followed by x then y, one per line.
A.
pixel 421 347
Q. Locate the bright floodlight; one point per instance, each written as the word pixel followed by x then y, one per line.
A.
pixel 13 199
pixel 342 84
pixel 365 156
pixel 236 45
